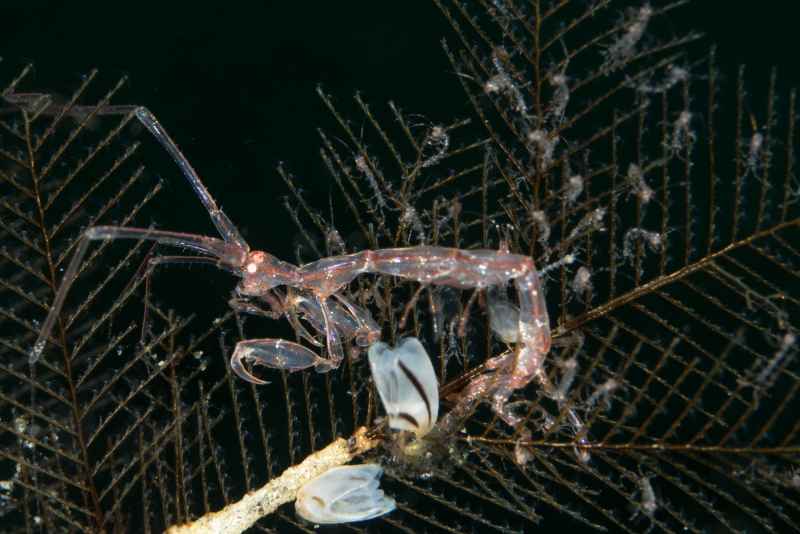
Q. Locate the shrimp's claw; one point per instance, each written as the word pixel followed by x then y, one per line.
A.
pixel 274 353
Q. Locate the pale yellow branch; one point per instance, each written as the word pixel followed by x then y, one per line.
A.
pixel 241 515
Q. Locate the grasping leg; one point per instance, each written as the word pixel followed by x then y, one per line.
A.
pixel 274 353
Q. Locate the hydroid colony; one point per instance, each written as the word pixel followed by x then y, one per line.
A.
pixel 592 139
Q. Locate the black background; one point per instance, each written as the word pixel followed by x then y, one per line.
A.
pixel 234 82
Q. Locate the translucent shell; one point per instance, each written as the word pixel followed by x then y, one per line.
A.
pixel 344 495
pixel 407 385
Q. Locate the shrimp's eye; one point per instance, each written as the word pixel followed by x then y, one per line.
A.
pixel 344 495
pixel 407 385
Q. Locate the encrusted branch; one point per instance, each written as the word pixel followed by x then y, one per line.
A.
pixel 241 515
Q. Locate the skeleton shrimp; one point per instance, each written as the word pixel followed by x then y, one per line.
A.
pixel 314 288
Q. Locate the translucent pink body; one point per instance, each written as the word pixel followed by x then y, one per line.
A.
pixel 314 289
pixel 324 278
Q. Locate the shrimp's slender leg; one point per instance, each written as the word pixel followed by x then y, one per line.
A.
pixel 277 307
pixel 230 251
pixel 334 343
pixel 227 255
pixel 367 331
pixel 224 225
pixel 250 306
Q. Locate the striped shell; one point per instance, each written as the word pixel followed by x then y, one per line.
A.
pixel 344 495
pixel 407 385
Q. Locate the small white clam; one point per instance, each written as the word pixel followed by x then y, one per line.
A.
pixel 407 385
pixel 344 495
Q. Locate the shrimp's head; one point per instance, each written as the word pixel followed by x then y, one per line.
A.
pixel 261 272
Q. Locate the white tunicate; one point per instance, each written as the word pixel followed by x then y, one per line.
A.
pixel 344 495
pixel 407 385
pixel 523 453
pixel 334 242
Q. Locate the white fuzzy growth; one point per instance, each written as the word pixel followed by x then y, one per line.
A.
pixel 582 283
pixel 344 495
pixel 649 502
pixel 567 259
pixel 682 135
pixel 592 221
pixel 502 83
pixel 363 166
pixel 625 47
pixel 543 146
pixel 539 218
pixel 36 351
pixel 766 376
pixel 411 219
pixel 574 188
pixel 604 392
pixel 653 240
pixel 407 385
pixel 675 75
pixel 636 179
pixel 560 99
pixel 569 370
pixel 440 142
pixel 755 152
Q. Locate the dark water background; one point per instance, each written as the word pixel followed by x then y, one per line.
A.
pixel 234 82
